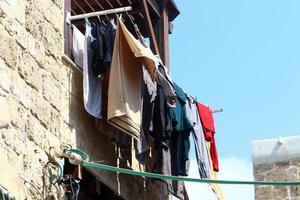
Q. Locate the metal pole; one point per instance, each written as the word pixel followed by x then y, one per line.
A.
pixel 93 14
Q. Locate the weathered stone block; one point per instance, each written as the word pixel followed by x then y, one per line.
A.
pixel 7 136
pixel 39 55
pixel 41 109
pixel 19 115
pixel 5 76
pixel 8 49
pixel 52 142
pixel 277 175
pixel 31 46
pixel 281 165
pixel 295 162
pixel 280 192
pixel 21 35
pixel 36 132
pixel 262 168
pixel 35 21
pixel 65 132
pixel 30 71
pixel 293 174
pixel 17 11
pixel 56 121
pixel 18 145
pixel 65 105
pixel 51 90
pixel 56 18
pixel 295 191
pixel 263 193
pixel 4 112
pixel 59 3
pixel 21 91
pixel 10 24
pixel 56 68
pixel 53 40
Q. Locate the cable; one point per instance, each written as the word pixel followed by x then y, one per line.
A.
pixel 163 177
pixel 85 163
pixel 25 181
pixel 59 172
pixel 72 190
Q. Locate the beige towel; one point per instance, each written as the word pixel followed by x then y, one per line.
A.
pixel 124 92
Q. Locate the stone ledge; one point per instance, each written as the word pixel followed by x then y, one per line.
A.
pixel 275 150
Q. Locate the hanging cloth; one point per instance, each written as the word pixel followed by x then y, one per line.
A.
pixel 92 92
pixel 208 125
pixel 199 140
pixel 213 175
pixel 124 92
pixel 78 47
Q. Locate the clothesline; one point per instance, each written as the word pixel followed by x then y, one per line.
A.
pixel 86 163
pixel 164 110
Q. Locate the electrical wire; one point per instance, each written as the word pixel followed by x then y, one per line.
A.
pixel 59 172
pixel 25 181
pixel 72 190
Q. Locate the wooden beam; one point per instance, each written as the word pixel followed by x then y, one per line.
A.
pixel 155 7
pixel 67 30
pixel 162 32
pixel 153 42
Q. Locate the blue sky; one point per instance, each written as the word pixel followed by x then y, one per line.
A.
pixel 242 56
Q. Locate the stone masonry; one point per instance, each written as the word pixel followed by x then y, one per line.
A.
pixel 277 160
pixel 41 106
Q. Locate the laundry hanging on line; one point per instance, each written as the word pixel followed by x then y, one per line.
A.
pixel 144 103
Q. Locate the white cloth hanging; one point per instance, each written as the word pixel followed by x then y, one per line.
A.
pixel 77 48
pixel 92 86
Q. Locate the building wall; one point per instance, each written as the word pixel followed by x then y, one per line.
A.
pixel 41 105
pixel 277 160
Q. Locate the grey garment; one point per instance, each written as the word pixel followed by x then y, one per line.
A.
pixel 149 92
pixel 151 85
pixel 92 86
pixel 166 87
pixel 199 140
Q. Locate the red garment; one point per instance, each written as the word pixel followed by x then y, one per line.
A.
pixel 208 126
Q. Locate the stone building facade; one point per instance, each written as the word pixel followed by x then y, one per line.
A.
pixel 41 105
pixel 277 160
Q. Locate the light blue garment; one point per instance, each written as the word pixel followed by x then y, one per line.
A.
pixel 92 86
pixel 199 140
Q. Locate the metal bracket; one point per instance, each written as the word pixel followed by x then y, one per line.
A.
pixel 70 18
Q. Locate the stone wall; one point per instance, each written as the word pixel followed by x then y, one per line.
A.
pixel 277 160
pixel 41 104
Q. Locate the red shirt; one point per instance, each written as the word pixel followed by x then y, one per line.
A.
pixel 208 126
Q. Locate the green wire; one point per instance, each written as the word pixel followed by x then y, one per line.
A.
pixel 177 178
pixel 85 163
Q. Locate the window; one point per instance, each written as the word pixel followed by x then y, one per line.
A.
pixel 90 188
pixel 5 195
pixel 11 2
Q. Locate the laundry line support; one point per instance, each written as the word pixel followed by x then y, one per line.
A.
pixel 70 18
pixel 217 111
